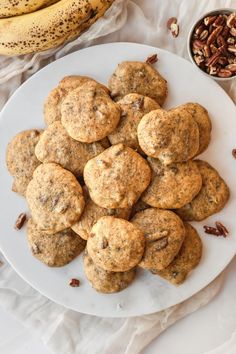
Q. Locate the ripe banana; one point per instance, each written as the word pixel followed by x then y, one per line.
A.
pixel 9 8
pixel 50 26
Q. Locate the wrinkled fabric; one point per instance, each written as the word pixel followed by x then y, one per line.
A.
pixel 62 330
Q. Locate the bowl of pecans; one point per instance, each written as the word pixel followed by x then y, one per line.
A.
pixel 212 44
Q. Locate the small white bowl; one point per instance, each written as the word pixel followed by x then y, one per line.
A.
pixel 211 13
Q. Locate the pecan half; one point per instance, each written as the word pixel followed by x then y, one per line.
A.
pixel 74 283
pixel 232 49
pixel 224 73
pixel 204 35
pixel 231 21
pixel 171 21
pixel 173 26
pixel 152 59
pixel 222 229
pixel 20 221
pixel 211 39
pixel 219 21
pixel 162 243
pixel 234 153
pixel 209 20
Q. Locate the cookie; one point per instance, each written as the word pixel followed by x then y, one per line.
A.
pixel 133 108
pixel 201 116
pixel 171 136
pixel 212 197
pixel 172 186
pixel 138 77
pixel 186 260
pixel 92 212
pixel 52 105
pixel 105 281
pixel 54 197
pixel 55 250
pixel 21 160
pixel 55 145
pixel 164 233
pixel 88 113
pixel 117 177
pixel 115 244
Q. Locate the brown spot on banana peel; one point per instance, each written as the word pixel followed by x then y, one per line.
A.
pixel 10 8
pixel 49 27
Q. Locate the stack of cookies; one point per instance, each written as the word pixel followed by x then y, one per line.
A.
pixel 114 173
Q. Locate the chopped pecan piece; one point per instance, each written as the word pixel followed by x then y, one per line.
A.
pixel 74 283
pixel 20 221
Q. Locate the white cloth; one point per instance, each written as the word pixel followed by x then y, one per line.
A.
pixel 62 330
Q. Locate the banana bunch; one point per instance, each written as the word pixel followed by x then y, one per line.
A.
pixel 9 8
pixel 48 27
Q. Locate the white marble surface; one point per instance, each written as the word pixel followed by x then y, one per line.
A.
pixel 196 334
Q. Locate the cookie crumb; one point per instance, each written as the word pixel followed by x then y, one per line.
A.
pixel 1 263
pixel 234 153
pixel 75 283
pixel 119 306
pixel 20 221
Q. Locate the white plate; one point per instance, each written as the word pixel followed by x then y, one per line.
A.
pixel 148 293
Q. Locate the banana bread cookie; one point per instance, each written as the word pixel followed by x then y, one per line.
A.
pixel 21 160
pixel 115 244
pixel 164 233
pixel 117 177
pixel 92 212
pixel 201 117
pixel 54 197
pixel 133 108
pixel 138 77
pixel 212 197
pixel 186 260
pixel 105 281
pixel 52 105
pixel 55 250
pixel 55 145
pixel 171 136
pixel 88 113
pixel 172 186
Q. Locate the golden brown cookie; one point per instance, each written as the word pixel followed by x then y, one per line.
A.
pixel 186 260
pixel 138 77
pixel 54 197
pixel 133 108
pixel 117 177
pixel 172 186
pixel 212 197
pixel 164 233
pixel 88 113
pixel 171 136
pixel 115 244
pixel 104 281
pixel 201 116
pixel 21 160
pixel 55 145
pixel 92 212
pixel 52 105
pixel 55 250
